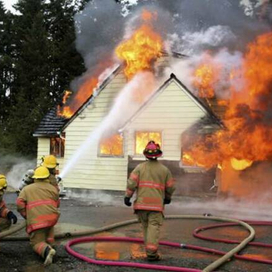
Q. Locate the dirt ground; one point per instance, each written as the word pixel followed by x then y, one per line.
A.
pixel 97 210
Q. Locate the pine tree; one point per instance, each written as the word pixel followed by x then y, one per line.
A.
pixel 32 84
pixel 65 61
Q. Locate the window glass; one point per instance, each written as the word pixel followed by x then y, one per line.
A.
pixel 112 146
pixel 142 138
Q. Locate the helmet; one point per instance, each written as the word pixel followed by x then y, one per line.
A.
pixel 41 172
pixel 152 150
pixel 3 182
pixel 50 161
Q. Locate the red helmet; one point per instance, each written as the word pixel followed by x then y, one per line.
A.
pixel 152 150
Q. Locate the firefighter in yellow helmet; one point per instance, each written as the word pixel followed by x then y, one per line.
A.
pixel 38 203
pixel 154 185
pixel 50 162
pixel 6 216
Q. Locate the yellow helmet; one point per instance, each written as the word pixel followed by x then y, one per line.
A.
pixel 41 172
pixel 3 182
pixel 50 161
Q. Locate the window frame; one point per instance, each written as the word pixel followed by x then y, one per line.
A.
pixel 61 151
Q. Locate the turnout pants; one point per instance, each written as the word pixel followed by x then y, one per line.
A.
pixel 151 223
pixel 4 224
pixel 41 239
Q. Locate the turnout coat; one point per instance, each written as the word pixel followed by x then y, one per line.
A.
pixel 153 182
pixel 38 203
pixel 3 208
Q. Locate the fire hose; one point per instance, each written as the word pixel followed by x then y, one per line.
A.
pixel 12 230
pixel 225 256
pixel 209 268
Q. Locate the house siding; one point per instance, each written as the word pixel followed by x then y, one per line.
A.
pixel 92 171
pixel 171 112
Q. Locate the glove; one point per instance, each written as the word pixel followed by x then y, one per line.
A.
pixel 166 201
pixel 12 217
pixel 127 201
pixel 58 178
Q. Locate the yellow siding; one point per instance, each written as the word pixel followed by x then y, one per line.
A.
pixel 93 172
pixel 171 112
pixel 43 148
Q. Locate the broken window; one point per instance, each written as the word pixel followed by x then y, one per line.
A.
pixel 112 146
pixel 57 145
pixel 142 138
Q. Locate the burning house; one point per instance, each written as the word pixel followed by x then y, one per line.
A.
pixel 99 135
pixel 168 112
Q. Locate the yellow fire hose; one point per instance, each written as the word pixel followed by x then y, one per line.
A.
pixel 12 230
pixel 209 268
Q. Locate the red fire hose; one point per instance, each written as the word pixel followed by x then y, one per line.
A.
pixel 211 267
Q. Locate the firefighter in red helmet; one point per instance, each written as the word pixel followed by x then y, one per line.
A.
pixel 154 185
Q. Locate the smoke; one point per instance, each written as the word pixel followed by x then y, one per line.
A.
pixel 186 26
pixel 243 209
pixel 15 168
pixel 96 198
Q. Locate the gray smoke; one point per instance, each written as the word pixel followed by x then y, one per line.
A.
pixel 186 26
pixel 14 168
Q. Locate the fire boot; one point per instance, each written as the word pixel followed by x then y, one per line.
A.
pixel 48 255
pixel 156 258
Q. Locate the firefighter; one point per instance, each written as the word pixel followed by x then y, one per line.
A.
pixel 38 203
pixel 50 162
pixel 6 216
pixel 154 185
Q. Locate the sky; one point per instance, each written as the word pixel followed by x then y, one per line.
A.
pixel 8 4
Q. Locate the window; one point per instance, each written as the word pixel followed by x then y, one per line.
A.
pixel 112 146
pixel 57 145
pixel 142 138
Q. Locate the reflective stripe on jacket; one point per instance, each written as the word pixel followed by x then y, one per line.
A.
pixel 3 209
pixel 38 203
pixel 153 182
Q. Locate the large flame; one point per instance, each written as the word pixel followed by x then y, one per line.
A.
pixel 248 122
pixel 141 48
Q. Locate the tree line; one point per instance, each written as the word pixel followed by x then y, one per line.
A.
pixel 38 61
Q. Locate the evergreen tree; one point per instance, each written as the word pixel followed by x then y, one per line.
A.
pixel 7 53
pixel 31 81
pixel 65 61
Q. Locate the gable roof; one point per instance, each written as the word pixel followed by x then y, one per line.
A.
pixel 53 125
pixel 201 104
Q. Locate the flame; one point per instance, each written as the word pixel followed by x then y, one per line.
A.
pixel 84 92
pixel 248 133
pixel 206 76
pixel 240 164
pixel 142 138
pixel 112 146
pixel 143 47
pixel 62 111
